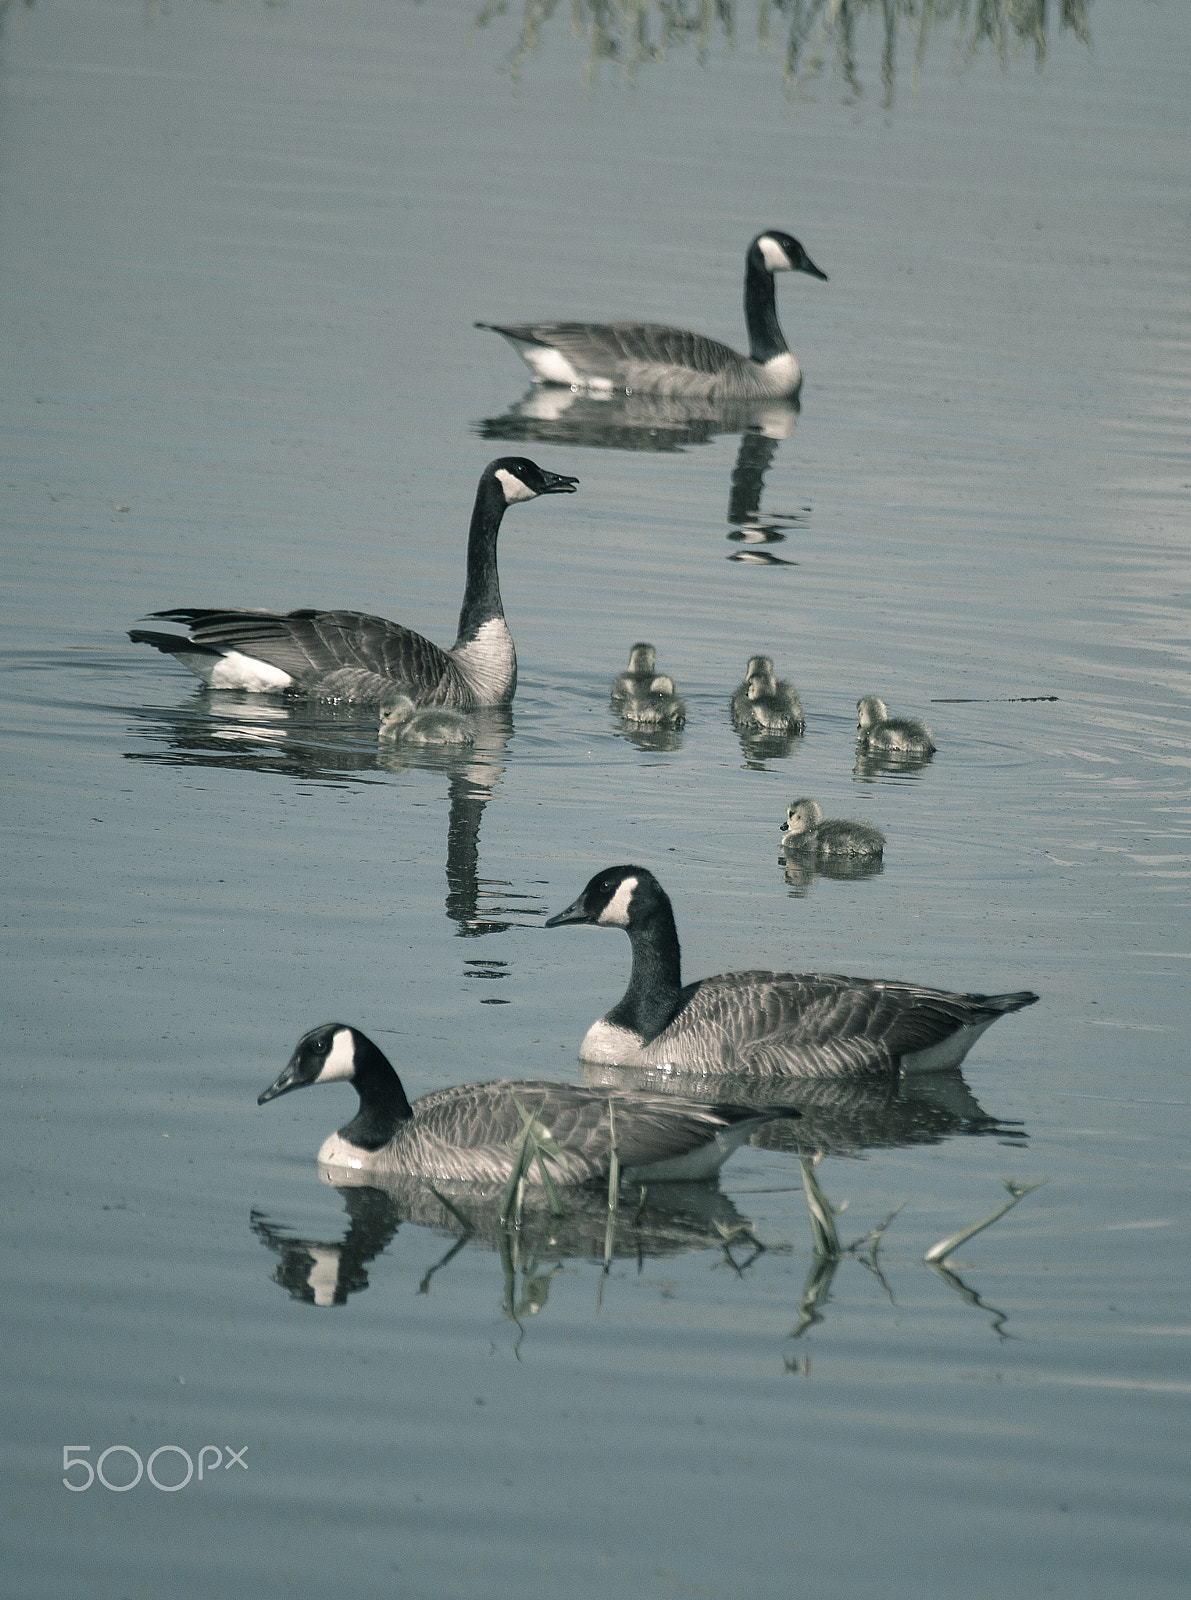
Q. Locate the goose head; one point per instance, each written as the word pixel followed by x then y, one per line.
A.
pixel 336 1053
pixel 802 817
pixel 618 897
pixel 759 667
pixel 522 479
pixel 778 252
pixel 327 1054
pixel 762 685
pixel 869 712
pixel 642 658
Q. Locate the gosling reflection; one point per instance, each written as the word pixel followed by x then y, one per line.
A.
pixel 657 1222
pixel 840 1116
pixel 476 905
pixel 551 414
pixel 332 744
pixel 802 870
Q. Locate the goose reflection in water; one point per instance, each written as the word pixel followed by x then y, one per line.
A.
pixel 661 423
pixel 333 744
pixel 664 1220
pixel 840 1116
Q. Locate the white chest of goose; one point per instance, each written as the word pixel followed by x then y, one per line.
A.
pixel 349 655
pixel 809 1024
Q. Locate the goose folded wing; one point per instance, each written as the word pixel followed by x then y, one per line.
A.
pixel 310 645
pixel 602 347
pixel 822 1023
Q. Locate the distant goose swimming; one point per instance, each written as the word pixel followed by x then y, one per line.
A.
pixel 807 833
pixel 765 704
pixel 657 706
pixel 885 735
pixel 809 1024
pixel 348 655
pixel 650 358
pixel 402 723
pixel 642 667
pixel 470 1133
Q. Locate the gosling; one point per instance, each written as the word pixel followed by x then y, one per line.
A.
pixel 769 705
pixel 642 666
pixel 658 706
pixel 807 835
pixel 877 731
pixel 403 723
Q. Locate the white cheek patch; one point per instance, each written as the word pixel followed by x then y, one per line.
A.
pixel 616 913
pixel 513 487
pixel 774 257
pixel 341 1060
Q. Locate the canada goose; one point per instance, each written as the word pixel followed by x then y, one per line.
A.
pixel 810 1023
pixel 649 358
pixel 642 666
pixel 657 706
pixel 348 655
pixel 765 704
pixel 807 833
pixel 880 733
pixel 471 1132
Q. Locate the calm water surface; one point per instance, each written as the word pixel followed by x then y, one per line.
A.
pixel 242 250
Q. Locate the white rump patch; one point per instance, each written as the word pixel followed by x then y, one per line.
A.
pixel 616 913
pixel 948 1052
pixel 341 1059
pixel 236 671
pixel 548 364
pixel 513 487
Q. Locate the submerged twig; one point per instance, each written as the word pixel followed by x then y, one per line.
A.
pixel 822 1212
pixel 534 1144
pixel 1017 1191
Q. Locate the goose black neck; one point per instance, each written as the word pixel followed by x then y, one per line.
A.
pixel 481 596
pixel 760 311
pixel 655 985
pixel 383 1105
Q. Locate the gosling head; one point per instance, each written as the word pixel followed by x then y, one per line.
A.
pixel 642 658
pixel 869 712
pixel 759 667
pixel 802 817
pixel 394 714
pixel 762 687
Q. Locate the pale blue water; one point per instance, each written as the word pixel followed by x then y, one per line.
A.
pixel 241 250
